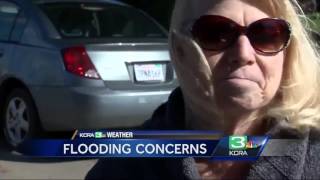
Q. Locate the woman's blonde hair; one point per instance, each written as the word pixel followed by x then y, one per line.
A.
pixel 297 100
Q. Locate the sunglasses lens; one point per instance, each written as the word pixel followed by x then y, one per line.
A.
pixel 214 33
pixel 217 33
pixel 269 35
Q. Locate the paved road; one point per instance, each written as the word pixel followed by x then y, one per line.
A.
pixel 16 166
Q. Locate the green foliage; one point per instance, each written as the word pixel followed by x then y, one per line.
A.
pixel 314 21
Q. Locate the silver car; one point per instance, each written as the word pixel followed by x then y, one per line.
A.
pixel 67 64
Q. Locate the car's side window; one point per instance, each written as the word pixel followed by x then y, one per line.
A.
pixel 8 14
pixel 19 26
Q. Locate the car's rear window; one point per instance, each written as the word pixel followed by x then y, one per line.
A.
pixel 100 20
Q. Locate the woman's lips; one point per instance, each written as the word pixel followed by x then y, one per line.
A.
pixel 243 77
pixel 239 80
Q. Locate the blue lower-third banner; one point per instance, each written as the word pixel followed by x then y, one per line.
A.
pixel 144 144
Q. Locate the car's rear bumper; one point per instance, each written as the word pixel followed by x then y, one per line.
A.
pixel 62 109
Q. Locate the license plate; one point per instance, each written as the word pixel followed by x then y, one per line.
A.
pixel 149 72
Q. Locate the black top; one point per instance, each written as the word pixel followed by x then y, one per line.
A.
pixel 301 161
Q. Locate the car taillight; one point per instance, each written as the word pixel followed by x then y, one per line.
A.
pixel 77 61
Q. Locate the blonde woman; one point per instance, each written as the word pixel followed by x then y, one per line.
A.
pixel 245 67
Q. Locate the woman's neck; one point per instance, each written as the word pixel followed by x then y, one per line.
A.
pixel 240 123
pixel 229 124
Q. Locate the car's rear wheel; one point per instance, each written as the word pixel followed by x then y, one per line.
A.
pixel 19 118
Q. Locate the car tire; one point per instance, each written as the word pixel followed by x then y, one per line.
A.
pixel 20 118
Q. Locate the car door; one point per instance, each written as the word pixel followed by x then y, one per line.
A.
pixel 8 15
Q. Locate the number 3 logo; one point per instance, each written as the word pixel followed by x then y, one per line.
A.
pixel 237 142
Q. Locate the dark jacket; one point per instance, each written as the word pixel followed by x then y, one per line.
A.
pixel 300 161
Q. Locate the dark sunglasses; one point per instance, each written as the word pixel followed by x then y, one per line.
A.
pixel 216 33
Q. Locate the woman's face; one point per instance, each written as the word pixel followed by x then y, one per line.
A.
pixel 244 79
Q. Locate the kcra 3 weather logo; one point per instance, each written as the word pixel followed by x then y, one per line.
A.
pixel 238 145
pixel 248 147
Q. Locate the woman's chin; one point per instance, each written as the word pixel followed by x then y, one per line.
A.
pixel 242 103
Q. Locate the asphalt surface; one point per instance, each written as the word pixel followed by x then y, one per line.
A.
pixel 14 165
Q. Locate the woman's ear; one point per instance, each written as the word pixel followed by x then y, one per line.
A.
pixel 176 41
pixel 190 63
pixel 185 50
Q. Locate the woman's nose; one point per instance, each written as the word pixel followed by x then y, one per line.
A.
pixel 242 52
